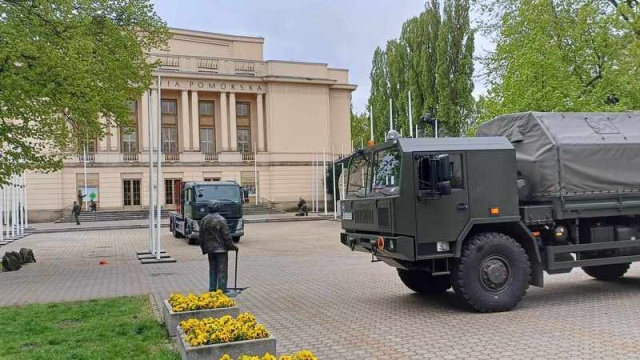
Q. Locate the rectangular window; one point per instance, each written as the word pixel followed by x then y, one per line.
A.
pixel 212 179
pixel 133 109
pixel 207 144
pixel 169 107
pixel 170 191
pixel 131 192
pixel 457 180
pixel 244 140
pixel 205 108
pixel 386 171
pixel 169 140
pixel 242 109
pixel 129 140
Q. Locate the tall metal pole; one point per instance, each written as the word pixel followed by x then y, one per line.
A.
pixel 84 164
pixel 410 116
pixel 436 121
pixel 390 115
pixel 159 172
pixel 324 179
pixel 333 170
pixel 2 217
pixel 21 204
pixel 371 123
pixel 26 208
pixel 152 221
pixel 416 130
pixel 255 172
pixel 14 213
pixel 312 180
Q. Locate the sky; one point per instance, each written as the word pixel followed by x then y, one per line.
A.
pixel 340 33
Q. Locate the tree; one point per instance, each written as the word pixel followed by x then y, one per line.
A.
pixel 433 60
pixel 570 55
pixel 63 64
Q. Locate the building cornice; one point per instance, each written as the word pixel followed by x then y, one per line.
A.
pixel 216 36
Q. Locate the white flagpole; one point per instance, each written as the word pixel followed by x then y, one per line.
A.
pixel 416 130
pixel 436 121
pixel 255 172
pixel 410 116
pixel 159 172
pixel 152 220
pixel 390 115
pixel 14 213
pixel 333 183
pixel 3 199
pixel 26 208
pixel 312 180
pixel 84 157
pixel 21 205
pixel 371 123
pixel 324 179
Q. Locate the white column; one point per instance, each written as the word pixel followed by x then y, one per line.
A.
pixel 184 120
pixel 224 122
pixel 195 121
pixel 156 116
pixel 233 135
pixel 14 206
pixel 26 212
pixel 143 124
pixel 2 217
pixel 260 122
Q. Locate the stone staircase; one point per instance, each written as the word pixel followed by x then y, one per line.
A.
pixel 109 215
pixel 118 215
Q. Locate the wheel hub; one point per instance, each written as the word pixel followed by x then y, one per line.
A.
pixel 495 273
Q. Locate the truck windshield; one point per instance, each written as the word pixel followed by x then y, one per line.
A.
pixel 358 180
pixel 386 171
pixel 219 192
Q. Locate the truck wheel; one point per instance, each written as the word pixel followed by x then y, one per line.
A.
pixel 236 239
pixel 493 272
pixel 422 282
pixel 607 272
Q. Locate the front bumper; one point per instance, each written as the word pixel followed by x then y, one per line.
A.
pixel 396 247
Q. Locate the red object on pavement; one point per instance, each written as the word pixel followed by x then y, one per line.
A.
pixel 103 262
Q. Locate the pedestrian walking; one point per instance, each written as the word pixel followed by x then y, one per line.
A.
pixel 76 212
pixel 216 242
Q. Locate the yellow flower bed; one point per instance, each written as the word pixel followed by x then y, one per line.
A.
pixel 207 300
pixel 300 355
pixel 226 329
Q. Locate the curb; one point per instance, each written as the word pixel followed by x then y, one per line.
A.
pixel 146 226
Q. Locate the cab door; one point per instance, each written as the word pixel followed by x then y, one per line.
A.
pixel 439 220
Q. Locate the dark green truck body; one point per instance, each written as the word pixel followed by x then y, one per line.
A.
pixel 565 187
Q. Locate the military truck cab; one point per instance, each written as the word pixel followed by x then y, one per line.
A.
pixel 194 198
pixel 488 215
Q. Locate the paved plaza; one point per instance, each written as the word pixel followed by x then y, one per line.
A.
pixel 313 293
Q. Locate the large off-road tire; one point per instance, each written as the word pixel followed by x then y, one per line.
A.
pixel 424 283
pixel 236 239
pixel 493 272
pixel 607 272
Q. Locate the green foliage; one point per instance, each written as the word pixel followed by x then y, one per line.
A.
pixel 64 62
pixel 568 55
pixel 120 328
pixel 432 59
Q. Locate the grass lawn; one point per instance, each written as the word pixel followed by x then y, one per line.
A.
pixel 119 328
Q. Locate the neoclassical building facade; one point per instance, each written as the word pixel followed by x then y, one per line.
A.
pixel 225 114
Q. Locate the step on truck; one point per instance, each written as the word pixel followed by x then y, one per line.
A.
pixel 194 198
pixel 488 215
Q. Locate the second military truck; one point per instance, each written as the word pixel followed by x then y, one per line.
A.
pixel 532 193
pixel 194 198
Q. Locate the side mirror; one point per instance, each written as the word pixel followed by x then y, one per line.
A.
pixel 443 168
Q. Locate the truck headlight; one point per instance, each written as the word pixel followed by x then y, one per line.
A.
pixel 240 224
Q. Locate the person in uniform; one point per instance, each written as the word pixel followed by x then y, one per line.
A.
pixel 215 242
pixel 76 212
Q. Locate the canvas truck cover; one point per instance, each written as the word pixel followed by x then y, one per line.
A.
pixel 573 153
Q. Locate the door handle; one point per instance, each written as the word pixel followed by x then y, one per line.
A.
pixel 462 206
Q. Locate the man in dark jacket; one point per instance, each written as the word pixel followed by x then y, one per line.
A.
pixel 215 242
pixel 76 212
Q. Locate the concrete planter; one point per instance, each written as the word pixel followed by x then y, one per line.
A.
pixel 234 349
pixel 172 319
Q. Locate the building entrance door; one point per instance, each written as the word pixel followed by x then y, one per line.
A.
pixel 131 194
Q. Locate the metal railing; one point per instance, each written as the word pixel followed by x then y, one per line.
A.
pixel 245 66
pixel 91 157
pixel 210 157
pixel 171 156
pixel 208 63
pixel 248 156
pixel 220 65
pixel 130 156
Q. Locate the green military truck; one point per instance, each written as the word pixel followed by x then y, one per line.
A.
pixel 488 215
pixel 194 198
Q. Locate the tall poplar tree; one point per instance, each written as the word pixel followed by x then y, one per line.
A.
pixel 433 59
